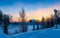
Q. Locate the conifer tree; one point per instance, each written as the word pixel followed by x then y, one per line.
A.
pixel 22 15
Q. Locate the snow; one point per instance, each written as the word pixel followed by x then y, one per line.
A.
pixel 42 33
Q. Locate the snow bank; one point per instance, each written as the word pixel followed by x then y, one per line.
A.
pixel 42 33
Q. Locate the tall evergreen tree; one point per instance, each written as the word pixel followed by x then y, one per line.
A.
pixel 43 22
pixel 22 15
pixel 56 17
pixel 6 23
pixel 0 16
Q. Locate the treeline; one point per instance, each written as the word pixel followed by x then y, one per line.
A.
pixel 5 20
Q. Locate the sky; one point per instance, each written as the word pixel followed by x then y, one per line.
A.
pixel 34 9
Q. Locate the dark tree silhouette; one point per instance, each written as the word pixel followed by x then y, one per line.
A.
pixel 22 15
pixel 50 23
pixel 56 17
pixel 0 16
pixel 43 22
pixel 37 24
pixel 6 23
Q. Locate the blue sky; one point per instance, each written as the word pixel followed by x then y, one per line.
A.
pixel 30 6
pixel 10 2
pixel 34 4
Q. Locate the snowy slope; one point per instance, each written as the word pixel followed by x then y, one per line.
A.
pixel 46 33
pixel 43 33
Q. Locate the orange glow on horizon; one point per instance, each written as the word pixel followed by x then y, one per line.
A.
pixel 37 14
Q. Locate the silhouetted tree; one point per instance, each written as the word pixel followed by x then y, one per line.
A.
pixel 37 24
pixel 43 22
pixel 22 15
pixel 6 23
pixel 55 19
pixel 50 23
pixel 59 20
pixel 0 16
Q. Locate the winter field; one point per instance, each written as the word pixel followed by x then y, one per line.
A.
pixel 41 33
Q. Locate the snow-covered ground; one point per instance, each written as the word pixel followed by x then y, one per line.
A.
pixel 42 33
